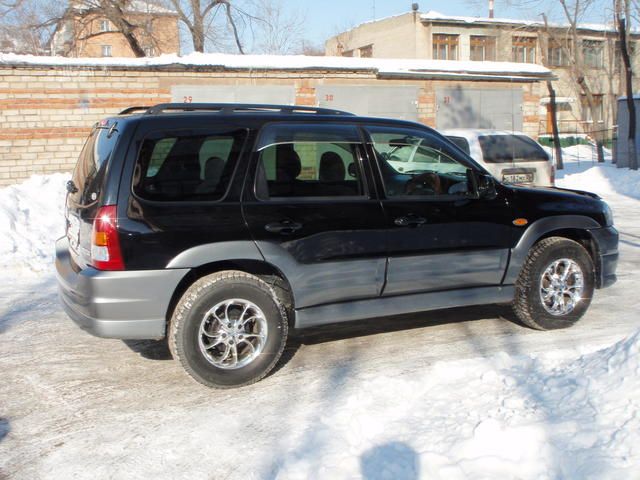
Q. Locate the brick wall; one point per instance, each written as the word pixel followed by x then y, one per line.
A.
pixel 47 112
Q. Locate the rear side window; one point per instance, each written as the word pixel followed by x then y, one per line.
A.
pixel 461 143
pixel 187 165
pixel 510 148
pixel 303 160
pixel 88 175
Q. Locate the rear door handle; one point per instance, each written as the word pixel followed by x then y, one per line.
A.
pixel 285 227
pixel 410 221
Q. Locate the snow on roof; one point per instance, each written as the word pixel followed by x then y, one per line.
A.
pixel 382 66
pixel 437 16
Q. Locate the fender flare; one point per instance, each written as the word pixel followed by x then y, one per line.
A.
pixel 216 252
pixel 537 230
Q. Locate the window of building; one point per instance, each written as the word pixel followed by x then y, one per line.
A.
pixel 619 63
pixel 593 52
pixel 106 50
pixel 523 49
pixel 445 47
pixel 589 116
pixel 483 48
pixel 366 51
pixel 558 53
pixel 347 53
pixel 105 26
pixel 149 51
pixel 310 161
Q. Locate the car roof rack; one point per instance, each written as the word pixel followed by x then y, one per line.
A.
pixel 129 110
pixel 234 108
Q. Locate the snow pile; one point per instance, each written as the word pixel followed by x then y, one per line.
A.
pixel 31 219
pixel 601 178
pixel 580 153
pixel 509 416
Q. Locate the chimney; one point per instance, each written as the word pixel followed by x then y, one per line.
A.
pixel 491 8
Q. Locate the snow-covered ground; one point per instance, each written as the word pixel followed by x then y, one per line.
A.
pixel 456 394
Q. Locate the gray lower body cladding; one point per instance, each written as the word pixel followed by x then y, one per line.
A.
pixel 126 305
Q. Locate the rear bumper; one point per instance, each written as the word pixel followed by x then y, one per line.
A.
pixel 607 258
pixel 125 305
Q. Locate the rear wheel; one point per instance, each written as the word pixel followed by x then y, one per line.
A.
pixel 229 329
pixel 555 287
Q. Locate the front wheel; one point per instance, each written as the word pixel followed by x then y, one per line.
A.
pixel 228 330
pixel 555 286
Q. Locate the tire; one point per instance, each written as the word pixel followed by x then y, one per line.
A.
pixel 529 304
pixel 195 326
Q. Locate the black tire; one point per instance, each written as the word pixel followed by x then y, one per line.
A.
pixel 527 304
pixel 202 296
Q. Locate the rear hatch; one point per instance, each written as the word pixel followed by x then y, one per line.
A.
pixel 515 159
pixel 85 189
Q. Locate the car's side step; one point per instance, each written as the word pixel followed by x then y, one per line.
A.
pixel 402 304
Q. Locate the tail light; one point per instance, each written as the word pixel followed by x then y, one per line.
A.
pixel 105 244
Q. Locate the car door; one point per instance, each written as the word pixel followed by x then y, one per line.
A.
pixel 311 207
pixel 439 236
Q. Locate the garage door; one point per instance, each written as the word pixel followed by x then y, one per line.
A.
pixel 479 108
pixel 391 102
pixel 275 94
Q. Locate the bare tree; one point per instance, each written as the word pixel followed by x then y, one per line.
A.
pixel 278 32
pixel 622 14
pixel 567 38
pixel 200 16
pixel 553 107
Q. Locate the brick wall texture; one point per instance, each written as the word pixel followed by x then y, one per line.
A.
pixel 47 112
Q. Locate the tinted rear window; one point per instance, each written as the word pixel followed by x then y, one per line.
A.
pixel 461 143
pixel 88 174
pixel 510 148
pixel 187 165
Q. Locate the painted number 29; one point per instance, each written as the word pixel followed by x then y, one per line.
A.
pixel 187 99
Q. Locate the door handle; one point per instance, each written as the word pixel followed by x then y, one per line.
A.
pixel 285 227
pixel 410 221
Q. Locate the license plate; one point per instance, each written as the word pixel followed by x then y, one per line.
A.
pixel 73 232
pixel 518 178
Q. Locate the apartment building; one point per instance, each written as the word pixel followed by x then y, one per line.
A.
pixel 85 33
pixel 435 36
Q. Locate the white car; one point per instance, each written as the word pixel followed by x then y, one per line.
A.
pixel 511 157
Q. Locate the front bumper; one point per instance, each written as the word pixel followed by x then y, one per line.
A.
pixel 607 255
pixel 125 305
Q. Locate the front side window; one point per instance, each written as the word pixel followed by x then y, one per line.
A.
pixel 187 165
pixel 445 47
pixel 310 161
pixel 417 163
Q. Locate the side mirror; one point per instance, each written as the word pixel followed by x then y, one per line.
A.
pixel 351 170
pixel 481 185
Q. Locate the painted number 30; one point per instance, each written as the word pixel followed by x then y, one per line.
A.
pixel 188 99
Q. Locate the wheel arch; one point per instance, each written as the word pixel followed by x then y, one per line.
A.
pixel 260 268
pixel 572 227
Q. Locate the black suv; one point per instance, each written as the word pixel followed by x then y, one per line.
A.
pixel 223 226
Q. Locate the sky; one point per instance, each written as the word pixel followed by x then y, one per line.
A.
pixel 325 18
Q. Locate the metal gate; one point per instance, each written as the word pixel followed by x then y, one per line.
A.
pixel 391 102
pixel 274 94
pixel 459 107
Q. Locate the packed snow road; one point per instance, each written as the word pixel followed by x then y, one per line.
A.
pixel 461 393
